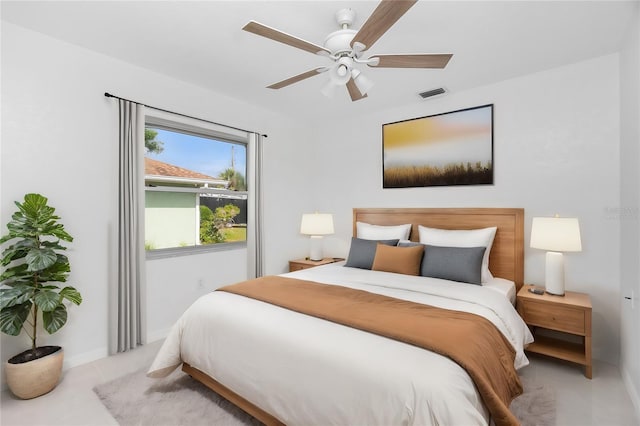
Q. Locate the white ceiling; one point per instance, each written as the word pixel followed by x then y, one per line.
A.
pixel 202 42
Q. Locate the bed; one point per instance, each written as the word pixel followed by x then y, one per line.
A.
pixel 285 367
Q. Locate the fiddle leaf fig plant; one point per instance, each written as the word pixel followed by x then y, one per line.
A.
pixel 32 265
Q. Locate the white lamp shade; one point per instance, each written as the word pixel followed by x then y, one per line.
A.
pixel 556 234
pixel 362 82
pixel 341 72
pixel 317 224
pixel 329 89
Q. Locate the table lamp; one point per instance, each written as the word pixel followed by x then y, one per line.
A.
pixel 316 225
pixel 557 235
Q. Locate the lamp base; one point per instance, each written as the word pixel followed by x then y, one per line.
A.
pixel 554 273
pixel 315 251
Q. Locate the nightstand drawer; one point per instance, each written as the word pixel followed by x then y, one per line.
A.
pixel 559 318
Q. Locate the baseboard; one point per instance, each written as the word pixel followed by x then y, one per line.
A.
pixel 100 353
pixel 84 358
pixel 633 392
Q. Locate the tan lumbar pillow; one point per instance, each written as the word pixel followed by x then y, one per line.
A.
pixel 401 260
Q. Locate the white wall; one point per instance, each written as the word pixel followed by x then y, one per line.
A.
pixel 174 283
pixel 556 147
pixel 629 216
pixel 59 138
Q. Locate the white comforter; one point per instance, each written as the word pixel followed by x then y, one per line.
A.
pixel 305 371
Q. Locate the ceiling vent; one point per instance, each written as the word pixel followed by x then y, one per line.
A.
pixel 433 92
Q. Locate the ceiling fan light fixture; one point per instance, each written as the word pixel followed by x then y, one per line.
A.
pixel 363 83
pixel 329 89
pixel 341 72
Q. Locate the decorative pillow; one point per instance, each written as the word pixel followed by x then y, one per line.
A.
pixel 461 238
pixel 367 231
pixel 401 260
pixel 362 252
pixel 463 264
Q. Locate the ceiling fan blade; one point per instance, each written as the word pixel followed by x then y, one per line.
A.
pixel 297 78
pixel 277 35
pixel 412 61
pixel 383 18
pixel 353 91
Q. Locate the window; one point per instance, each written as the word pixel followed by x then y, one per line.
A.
pixel 195 189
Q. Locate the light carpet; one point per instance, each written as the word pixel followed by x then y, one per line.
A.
pixel 135 399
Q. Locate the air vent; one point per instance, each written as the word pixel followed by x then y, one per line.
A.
pixel 433 92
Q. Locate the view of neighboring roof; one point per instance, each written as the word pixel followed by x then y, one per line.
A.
pixel 159 168
pixel 155 170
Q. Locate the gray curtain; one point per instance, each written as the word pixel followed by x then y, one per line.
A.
pixel 255 249
pixel 128 310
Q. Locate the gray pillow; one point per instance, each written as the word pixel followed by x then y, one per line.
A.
pixel 463 264
pixel 362 252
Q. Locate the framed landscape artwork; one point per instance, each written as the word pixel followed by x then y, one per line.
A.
pixel 452 148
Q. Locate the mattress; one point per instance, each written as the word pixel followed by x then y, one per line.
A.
pixel 304 370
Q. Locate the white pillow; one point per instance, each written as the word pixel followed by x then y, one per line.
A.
pixel 462 238
pixel 367 231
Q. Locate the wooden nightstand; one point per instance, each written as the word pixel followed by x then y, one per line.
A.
pixel 570 314
pixel 298 264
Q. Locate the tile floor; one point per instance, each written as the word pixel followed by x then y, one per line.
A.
pixel 602 401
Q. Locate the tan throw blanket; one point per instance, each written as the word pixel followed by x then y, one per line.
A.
pixel 468 339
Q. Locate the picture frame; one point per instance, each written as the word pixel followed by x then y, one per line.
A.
pixel 450 148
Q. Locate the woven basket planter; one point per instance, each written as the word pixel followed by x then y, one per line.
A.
pixel 36 377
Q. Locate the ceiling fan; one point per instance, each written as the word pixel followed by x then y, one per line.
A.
pixel 346 46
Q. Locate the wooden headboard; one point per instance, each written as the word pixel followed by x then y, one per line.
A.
pixel 507 254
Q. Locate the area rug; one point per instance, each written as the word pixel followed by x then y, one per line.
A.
pixel 178 400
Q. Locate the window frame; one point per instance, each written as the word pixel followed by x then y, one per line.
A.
pixel 176 123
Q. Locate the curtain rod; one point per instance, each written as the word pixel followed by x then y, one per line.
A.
pixel 109 95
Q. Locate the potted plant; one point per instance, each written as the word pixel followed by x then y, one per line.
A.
pixel 29 298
